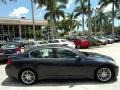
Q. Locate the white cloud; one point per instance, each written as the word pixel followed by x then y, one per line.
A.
pixel 19 12
pixel 108 8
pixel 69 3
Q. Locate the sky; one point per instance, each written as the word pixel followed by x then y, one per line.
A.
pixel 22 8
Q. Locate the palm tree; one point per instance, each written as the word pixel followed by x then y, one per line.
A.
pixel 107 24
pixel 70 20
pixel 51 6
pixel 100 18
pixel 58 12
pixel 77 25
pixel 82 9
pixel 115 3
pixel 68 24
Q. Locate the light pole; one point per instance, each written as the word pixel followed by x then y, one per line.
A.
pixel 33 20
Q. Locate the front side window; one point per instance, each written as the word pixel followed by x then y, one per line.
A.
pixel 43 53
pixel 64 53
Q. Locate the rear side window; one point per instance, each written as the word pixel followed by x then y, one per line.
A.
pixel 43 53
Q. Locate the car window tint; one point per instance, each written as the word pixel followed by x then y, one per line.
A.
pixel 64 53
pixel 43 53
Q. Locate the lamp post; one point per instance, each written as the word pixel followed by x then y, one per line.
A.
pixel 33 20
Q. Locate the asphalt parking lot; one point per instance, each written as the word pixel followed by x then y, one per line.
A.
pixel 112 50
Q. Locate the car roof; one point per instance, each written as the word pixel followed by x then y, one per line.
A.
pixel 49 46
pixel 59 39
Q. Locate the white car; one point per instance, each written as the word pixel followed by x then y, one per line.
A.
pixel 33 44
pixel 62 42
pixel 40 43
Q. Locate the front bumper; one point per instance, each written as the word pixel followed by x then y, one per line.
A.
pixel 116 71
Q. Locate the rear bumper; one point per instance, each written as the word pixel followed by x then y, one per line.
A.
pixel 3 58
pixel 11 71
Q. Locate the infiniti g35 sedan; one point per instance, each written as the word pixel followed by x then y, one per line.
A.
pixel 60 62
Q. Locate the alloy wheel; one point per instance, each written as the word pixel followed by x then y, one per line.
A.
pixel 104 74
pixel 28 77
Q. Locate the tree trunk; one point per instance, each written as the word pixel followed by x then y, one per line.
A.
pixel 83 24
pixel 52 27
pixel 95 25
pixel 101 31
pixel 89 21
pixel 55 32
pixel 113 32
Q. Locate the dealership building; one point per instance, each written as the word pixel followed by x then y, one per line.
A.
pixel 10 28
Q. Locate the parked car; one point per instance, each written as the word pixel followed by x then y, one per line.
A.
pixel 7 50
pixel 115 39
pixel 81 42
pixel 109 39
pixel 20 42
pixel 100 39
pixel 62 42
pixel 60 62
pixel 95 42
pixel 33 44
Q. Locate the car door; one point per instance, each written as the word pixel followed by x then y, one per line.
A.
pixel 67 64
pixel 45 61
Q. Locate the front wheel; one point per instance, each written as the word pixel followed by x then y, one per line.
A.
pixel 104 74
pixel 28 77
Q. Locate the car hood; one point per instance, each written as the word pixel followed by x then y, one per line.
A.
pixel 97 57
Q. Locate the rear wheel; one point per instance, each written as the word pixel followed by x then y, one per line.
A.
pixel 28 77
pixel 104 74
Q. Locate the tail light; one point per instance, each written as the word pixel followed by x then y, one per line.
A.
pixel 1 52
pixel 9 61
pixel 18 50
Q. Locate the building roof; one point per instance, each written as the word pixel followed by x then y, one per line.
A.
pixel 16 21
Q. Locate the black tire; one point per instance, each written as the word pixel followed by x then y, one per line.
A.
pixel 30 77
pixel 104 76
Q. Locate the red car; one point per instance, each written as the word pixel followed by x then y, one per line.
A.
pixel 82 43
